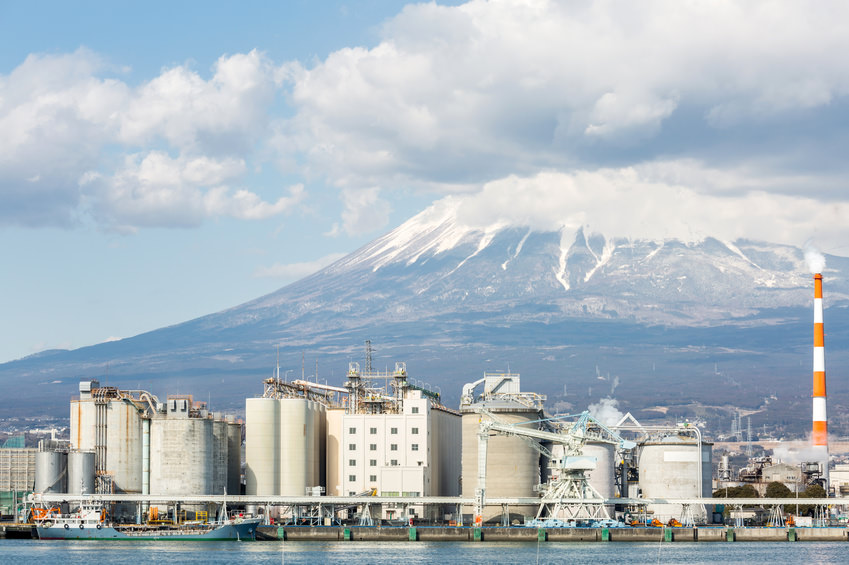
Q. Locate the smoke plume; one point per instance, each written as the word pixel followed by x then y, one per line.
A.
pixel 606 411
pixel 814 259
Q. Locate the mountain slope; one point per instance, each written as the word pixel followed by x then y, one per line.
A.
pixel 666 321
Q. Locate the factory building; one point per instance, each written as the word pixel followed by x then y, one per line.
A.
pixel 391 440
pixel 17 473
pixel 398 440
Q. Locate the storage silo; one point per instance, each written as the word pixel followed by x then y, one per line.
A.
pixel 81 472
pixel 512 466
pixel 333 451
pixel 51 472
pixel 182 451
pixel 673 467
pixel 296 443
pixel 124 445
pixel 219 456
pixel 262 446
pixel 234 456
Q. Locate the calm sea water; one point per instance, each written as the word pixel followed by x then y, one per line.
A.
pixel 357 553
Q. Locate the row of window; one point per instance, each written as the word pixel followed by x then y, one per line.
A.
pixel 392 431
pixel 373 447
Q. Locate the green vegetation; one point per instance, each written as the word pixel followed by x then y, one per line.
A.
pixel 745 491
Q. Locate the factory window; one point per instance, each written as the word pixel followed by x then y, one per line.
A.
pixel 352 447
pixel 372 462
pixel 393 430
pixel 372 447
pixel 372 478
pixel 352 430
pixel 393 447
pixel 373 431
pixel 352 478
pixel 414 410
pixel 411 493
pixel 352 462
pixel 414 447
pixel 393 463
pixel 414 431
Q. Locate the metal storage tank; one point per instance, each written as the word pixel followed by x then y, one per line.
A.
pixel 262 461
pixel 181 452
pixel 219 457
pixel 124 446
pixel 672 467
pixel 512 467
pixel 81 472
pixel 296 443
pixel 603 477
pixel 234 457
pixel 51 471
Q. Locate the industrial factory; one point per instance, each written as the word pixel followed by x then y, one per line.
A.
pixel 383 448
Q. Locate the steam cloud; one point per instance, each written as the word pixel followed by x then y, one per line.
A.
pixel 814 259
pixel 606 411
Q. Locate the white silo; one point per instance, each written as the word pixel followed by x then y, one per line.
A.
pixel 262 446
pixel 295 445
pixel 512 466
pixel 674 467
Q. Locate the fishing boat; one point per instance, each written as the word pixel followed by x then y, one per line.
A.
pixel 89 522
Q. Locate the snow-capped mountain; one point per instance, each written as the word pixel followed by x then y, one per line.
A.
pixel 570 309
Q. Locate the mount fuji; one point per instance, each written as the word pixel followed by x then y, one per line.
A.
pixel 669 328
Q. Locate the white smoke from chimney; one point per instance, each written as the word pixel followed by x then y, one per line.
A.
pixel 606 411
pixel 813 258
pixel 613 385
pixel 794 456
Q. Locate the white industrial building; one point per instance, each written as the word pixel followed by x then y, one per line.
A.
pixel 390 440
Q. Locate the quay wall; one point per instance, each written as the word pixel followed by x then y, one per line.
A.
pixel 471 534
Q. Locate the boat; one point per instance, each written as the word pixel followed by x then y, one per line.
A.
pixel 89 522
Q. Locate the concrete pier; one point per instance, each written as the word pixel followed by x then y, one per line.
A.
pixel 611 535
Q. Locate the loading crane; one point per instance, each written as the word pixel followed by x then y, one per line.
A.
pixel 569 494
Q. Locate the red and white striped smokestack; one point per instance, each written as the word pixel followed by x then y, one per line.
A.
pixel 819 437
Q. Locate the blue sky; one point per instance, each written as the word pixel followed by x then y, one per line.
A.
pixel 161 161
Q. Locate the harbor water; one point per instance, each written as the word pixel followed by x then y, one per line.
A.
pixel 214 552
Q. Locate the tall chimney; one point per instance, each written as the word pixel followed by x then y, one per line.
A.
pixel 819 435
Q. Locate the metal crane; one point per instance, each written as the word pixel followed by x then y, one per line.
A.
pixel 569 494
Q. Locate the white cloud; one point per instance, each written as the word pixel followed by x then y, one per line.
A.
pixel 486 89
pixel 157 190
pixel 642 203
pixel 295 271
pixel 364 212
pixel 75 143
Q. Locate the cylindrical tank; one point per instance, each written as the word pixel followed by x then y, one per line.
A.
pixel 81 472
pixel 234 457
pixel 512 466
pixel 296 443
pixel 603 477
pixel 219 458
pixel 672 467
pixel 51 472
pixel 182 450
pixel 262 446
pixel 124 446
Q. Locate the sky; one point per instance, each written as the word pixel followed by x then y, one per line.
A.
pixel 163 161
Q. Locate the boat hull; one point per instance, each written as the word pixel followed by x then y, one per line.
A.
pixel 244 530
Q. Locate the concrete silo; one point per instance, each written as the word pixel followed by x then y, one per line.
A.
pixel 674 466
